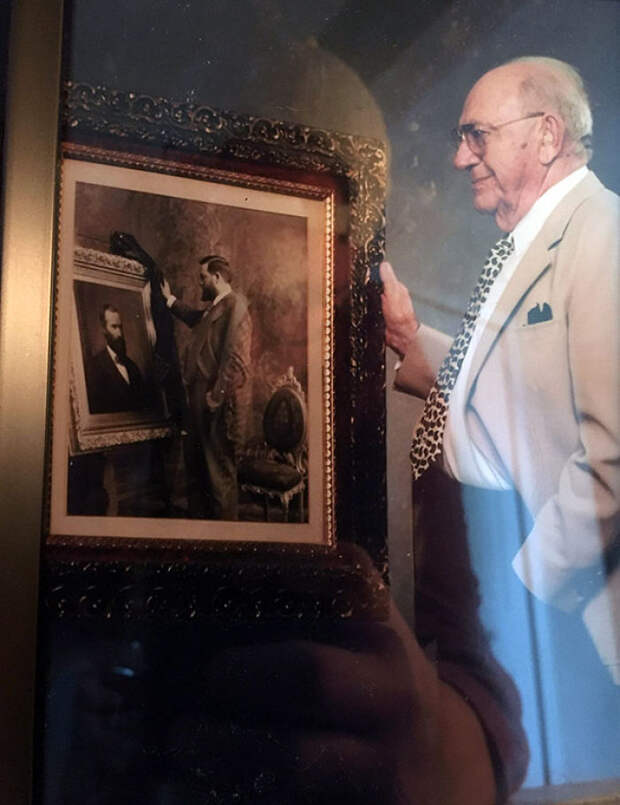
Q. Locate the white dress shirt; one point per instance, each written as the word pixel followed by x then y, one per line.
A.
pixel 468 461
pixel 122 369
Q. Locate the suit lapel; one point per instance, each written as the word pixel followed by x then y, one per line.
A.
pixel 217 310
pixel 201 335
pixel 114 373
pixel 110 368
pixel 207 341
pixel 533 265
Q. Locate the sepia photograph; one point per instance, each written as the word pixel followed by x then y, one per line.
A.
pixel 192 346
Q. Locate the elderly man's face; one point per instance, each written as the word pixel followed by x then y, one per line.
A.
pixel 505 170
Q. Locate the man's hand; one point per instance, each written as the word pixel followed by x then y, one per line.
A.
pixel 401 323
pixel 213 402
pixel 165 289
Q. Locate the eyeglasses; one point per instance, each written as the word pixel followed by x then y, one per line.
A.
pixel 475 137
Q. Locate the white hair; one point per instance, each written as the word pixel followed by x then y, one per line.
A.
pixel 558 85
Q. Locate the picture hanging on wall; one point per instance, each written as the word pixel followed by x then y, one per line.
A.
pixel 218 356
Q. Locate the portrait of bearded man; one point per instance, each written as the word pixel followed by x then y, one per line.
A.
pixel 114 383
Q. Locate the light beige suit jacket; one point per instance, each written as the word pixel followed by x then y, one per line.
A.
pixel 544 399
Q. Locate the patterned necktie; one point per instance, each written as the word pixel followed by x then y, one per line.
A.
pixel 427 441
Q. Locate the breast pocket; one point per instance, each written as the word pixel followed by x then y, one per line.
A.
pixel 529 330
pixel 539 352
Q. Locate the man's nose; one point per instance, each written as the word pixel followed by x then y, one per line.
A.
pixel 464 157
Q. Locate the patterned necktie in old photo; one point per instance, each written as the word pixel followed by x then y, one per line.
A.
pixel 427 441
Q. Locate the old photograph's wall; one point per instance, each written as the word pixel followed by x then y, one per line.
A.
pixel 267 252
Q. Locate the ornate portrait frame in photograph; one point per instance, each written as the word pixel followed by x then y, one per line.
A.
pixel 132 158
pixel 105 423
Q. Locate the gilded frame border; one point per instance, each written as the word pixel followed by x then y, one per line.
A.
pixel 83 576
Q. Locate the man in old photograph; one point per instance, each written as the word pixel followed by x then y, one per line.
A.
pixel 217 379
pixel 113 381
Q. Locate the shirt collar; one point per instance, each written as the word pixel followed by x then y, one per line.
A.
pixel 532 222
pixel 219 297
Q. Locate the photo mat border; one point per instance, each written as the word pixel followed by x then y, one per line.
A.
pixel 99 531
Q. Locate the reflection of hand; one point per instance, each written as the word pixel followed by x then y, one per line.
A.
pixel 165 289
pixel 355 715
pixel 401 323
pixel 110 722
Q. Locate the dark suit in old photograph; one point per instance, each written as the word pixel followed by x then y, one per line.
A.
pixel 217 379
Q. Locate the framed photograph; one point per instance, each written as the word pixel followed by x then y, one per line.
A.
pixel 117 381
pixel 111 405
pixel 218 361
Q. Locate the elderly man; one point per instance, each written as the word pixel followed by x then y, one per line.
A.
pixel 527 394
pixel 217 378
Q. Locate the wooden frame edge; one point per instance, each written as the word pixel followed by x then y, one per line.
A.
pixel 28 225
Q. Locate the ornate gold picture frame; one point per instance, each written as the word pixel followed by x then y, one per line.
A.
pixel 148 187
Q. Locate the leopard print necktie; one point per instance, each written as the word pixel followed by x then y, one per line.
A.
pixel 426 446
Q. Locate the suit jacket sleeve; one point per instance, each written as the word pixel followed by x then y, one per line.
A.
pixel 574 527
pixel 420 365
pixel 188 315
pixel 234 367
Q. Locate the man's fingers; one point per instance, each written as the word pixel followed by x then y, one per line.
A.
pixel 395 295
pixel 386 273
pixel 401 323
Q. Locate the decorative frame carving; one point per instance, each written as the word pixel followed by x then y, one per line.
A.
pixel 182 139
pixel 108 273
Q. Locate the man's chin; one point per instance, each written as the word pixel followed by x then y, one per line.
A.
pixel 484 202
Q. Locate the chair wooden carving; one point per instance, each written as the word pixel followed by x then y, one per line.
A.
pixel 278 469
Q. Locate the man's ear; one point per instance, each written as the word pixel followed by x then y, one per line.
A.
pixel 551 138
